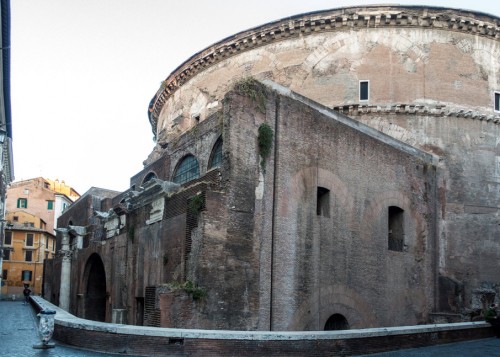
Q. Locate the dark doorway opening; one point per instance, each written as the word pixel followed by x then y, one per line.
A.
pixel 336 322
pixel 95 294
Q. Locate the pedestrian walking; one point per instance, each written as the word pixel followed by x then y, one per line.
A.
pixel 26 293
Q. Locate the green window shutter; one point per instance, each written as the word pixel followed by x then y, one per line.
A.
pixel 22 203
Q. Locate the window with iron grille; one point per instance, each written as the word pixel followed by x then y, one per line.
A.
pixel 216 156
pixel 187 170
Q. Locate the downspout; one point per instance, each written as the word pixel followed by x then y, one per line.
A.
pixel 275 208
pixel 437 235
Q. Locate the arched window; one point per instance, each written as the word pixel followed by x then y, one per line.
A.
pixel 149 177
pixel 216 156
pixel 187 170
pixel 336 322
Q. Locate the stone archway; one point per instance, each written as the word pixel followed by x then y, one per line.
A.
pixel 95 289
pixel 336 322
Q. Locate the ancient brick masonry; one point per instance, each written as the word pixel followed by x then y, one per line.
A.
pixel 370 210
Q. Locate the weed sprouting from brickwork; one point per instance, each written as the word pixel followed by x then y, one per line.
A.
pixel 196 204
pixel 265 140
pixel 189 287
pixel 253 89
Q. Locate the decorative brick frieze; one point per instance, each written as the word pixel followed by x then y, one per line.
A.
pixel 415 109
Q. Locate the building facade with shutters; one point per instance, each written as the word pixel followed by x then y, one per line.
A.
pixel 46 199
pixel 332 170
pixel 27 244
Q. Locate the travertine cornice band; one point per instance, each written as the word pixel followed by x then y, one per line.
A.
pixel 324 21
pixel 415 109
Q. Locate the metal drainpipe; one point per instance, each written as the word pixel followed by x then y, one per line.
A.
pixel 273 228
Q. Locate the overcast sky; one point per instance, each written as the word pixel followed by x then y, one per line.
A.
pixel 83 73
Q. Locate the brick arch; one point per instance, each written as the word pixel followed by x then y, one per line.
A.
pixel 378 209
pixel 94 286
pixel 308 179
pixel 313 313
pixel 302 187
pixel 149 176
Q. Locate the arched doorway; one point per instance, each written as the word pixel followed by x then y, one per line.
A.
pixel 336 322
pixel 95 289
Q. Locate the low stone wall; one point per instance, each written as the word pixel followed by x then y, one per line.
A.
pixel 153 341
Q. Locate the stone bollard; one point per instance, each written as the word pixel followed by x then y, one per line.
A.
pixel 46 329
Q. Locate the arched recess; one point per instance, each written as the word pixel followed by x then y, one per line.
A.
pixel 148 177
pixel 94 283
pixel 336 322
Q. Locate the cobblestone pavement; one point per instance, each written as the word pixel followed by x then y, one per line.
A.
pixel 477 348
pixel 19 332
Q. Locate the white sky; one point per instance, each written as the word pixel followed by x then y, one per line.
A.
pixel 83 73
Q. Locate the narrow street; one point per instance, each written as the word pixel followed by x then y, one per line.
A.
pixel 19 332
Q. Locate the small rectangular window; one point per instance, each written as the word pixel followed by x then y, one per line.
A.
pixel 28 256
pixel 50 205
pixel 4 274
pixel 6 254
pixel 8 238
pixel 396 229
pixel 29 240
pixel 497 101
pixel 26 275
pixel 22 203
pixel 47 243
pixel 323 202
pixel 16 219
pixel 364 90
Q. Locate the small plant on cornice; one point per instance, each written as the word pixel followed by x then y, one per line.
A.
pixel 253 89
pixel 265 141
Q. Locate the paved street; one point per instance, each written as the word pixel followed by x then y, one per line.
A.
pixel 18 333
pixel 477 348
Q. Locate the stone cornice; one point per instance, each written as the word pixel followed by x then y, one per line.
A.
pixel 415 109
pixel 325 21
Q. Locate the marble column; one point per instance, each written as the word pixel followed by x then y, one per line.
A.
pixel 66 253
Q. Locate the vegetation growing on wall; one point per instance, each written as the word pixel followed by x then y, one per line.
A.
pixel 196 204
pixel 189 287
pixel 253 89
pixel 265 140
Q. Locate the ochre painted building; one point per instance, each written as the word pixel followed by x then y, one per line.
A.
pixel 332 170
pixel 46 199
pixel 27 244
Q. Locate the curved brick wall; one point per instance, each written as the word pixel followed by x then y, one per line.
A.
pixel 410 54
pixel 150 341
